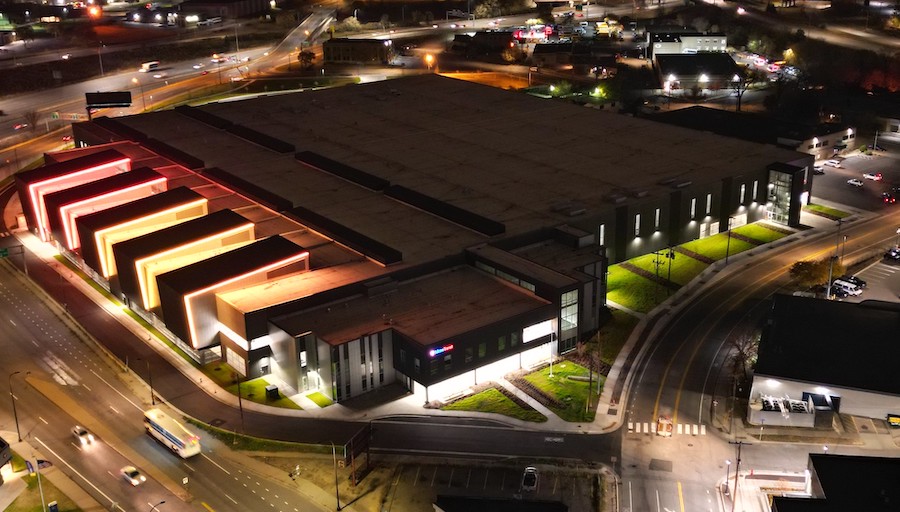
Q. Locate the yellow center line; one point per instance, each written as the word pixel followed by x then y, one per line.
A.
pixel 207 507
pixel 680 497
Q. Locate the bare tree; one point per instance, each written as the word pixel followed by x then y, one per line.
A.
pixel 739 84
pixel 745 349
pixel 31 119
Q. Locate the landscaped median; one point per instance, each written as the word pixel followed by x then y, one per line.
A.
pixel 642 283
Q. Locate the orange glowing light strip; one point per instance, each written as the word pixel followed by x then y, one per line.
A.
pixel 192 329
pixel 98 235
pixel 72 240
pixel 37 197
pixel 138 264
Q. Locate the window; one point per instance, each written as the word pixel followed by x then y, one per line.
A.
pixel 433 366
pixel 402 356
pixel 743 192
pixel 755 189
pixel 637 224
pixel 602 238
pixel 482 349
pixel 447 360
pixel 418 365
pixel 501 343
pixel 303 359
pixel 694 208
pixel 708 203
pixel 513 339
pixel 365 383
pixel 469 354
pixel 656 220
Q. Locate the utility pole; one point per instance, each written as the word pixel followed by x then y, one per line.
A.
pixel 737 472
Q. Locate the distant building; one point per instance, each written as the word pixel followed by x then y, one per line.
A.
pixel 363 51
pixel 806 372
pixel 677 43
pixel 681 73
pixel 820 140
pixel 225 8
pixel 839 483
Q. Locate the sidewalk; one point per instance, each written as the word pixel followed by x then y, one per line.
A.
pixel 13 484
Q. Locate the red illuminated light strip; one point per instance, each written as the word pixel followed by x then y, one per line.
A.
pixel 138 264
pixel 104 268
pixel 72 240
pixel 37 197
pixel 187 298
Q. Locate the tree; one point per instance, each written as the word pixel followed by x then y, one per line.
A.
pixel 31 119
pixel 306 59
pixel 810 273
pixel 745 350
pixel 739 84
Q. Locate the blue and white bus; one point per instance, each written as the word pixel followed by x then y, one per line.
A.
pixel 171 433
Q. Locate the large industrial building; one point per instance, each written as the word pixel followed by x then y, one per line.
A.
pixel 423 230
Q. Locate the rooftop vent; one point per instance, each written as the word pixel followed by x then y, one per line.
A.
pixel 682 184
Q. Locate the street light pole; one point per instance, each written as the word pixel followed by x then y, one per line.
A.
pixel 158 504
pixel 727 473
pixel 728 244
pixel 12 398
pixel 100 57
pixel 141 85
pixel 337 495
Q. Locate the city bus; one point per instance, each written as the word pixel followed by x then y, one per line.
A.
pixel 171 433
pixel 149 66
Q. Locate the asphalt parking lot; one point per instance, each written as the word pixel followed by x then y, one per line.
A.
pixel 833 184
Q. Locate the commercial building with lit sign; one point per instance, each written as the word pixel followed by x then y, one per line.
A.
pixel 434 247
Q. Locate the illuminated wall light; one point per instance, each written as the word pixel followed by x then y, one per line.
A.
pixel 772 383
pixel 36 192
pixel 188 310
pixel 138 264
pixel 68 217
pixel 236 338
pixel 100 235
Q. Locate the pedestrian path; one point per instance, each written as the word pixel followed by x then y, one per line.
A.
pixel 649 427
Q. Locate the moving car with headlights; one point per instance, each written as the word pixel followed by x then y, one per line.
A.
pixel 131 475
pixel 833 163
pixel 874 176
pixel 855 182
pixel 82 435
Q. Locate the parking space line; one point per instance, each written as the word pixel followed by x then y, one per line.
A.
pixel 450 482
pixel 469 478
pixel 433 476
pixel 486 471
pixel 555 482
pixel 416 480
pixel 503 481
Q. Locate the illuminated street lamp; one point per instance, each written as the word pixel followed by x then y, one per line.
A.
pixel 12 398
pixel 727 474
pixel 429 60
pixel 141 85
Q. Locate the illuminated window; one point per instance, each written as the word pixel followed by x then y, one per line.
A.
pixel 743 192
pixel 482 349
pixel 694 208
pixel 470 354
pixel 303 359
pixel 637 224
pixel 602 240
pixel 755 190
pixel 501 343
pixel 447 362
pixel 513 339
pixel 656 220
pixel 708 203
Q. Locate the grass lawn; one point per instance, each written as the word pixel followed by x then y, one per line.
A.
pixel 684 268
pixel 255 391
pixel 30 499
pixel 826 211
pixel 614 334
pixel 241 442
pixel 320 399
pixel 573 393
pixel 631 290
pixel 714 247
pixel 758 232
pixel 493 401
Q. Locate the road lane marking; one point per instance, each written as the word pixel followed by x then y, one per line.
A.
pixel 42 419
pixel 187 466
pixel 232 499
pixel 114 410
pixel 207 507
pixel 680 497
pixel 214 462
pixel 76 472
pixel 117 391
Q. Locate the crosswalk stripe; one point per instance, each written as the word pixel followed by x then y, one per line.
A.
pixel 630 426
pixel 650 428
pixel 680 426
pixel 702 430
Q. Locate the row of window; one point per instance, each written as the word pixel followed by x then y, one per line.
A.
pixel 504 342
pixel 505 276
pixel 693 211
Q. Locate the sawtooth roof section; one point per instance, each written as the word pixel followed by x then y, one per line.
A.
pixel 176 155
pixel 121 129
pixel 256 137
pixel 68 167
pixel 349 173
pixel 137 209
pixel 251 190
pixel 454 214
pixel 204 117
pixel 342 234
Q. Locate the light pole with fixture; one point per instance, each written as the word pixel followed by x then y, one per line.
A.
pixel 158 504
pixel 141 85
pixel 12 398
pixel 728 243
pixel 337 495
pixel 727 474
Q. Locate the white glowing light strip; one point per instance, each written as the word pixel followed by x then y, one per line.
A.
pixel 99 235
pixel 234 337
pixel 37 197
pixel 68 221
pixel 192 329
pixel 138 264
pixel 533 332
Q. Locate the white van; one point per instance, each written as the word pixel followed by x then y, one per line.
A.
pixel 847 286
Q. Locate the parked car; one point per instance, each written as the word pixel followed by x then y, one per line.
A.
pixel 530 479
pixel 818 169
pixel 853 279
pixel 875 147
pixel 892 255
pixel 875 176
pixel 839 293
pixel 82 435
pixel 833 163
pixel 855 182
pixel 131 475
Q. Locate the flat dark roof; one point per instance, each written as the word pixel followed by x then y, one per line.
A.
pixel 849 482
pixel 832 342
pixel 693 65
pixel 229 264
